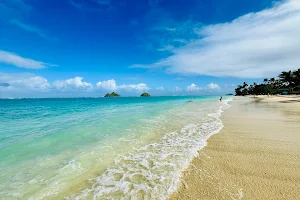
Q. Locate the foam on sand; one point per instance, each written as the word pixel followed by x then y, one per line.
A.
pixel 154 171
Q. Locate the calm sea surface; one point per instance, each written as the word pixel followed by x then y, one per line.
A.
pixel 102 148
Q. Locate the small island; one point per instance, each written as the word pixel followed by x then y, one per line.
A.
pixel 145 94
pixel 113 94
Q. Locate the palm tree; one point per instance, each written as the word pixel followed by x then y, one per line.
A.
pixel 287 77
pixel 277 84
pixel 296 76
pixel 288 81
pixel 238 90
pixel 251 88
pixel 245 89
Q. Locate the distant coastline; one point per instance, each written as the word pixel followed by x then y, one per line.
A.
pixel 100 97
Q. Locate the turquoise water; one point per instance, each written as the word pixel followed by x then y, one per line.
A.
pixel 102 148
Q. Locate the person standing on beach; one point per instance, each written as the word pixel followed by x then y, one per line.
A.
pixel 221 99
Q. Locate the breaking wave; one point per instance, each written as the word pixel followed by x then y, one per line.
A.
pixel 154 171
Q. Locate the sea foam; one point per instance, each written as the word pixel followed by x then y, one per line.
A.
pixel 154 171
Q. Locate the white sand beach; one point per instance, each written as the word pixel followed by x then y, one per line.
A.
pixel 255 156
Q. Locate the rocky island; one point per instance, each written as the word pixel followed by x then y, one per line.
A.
pixel 145 94
pixel 113 94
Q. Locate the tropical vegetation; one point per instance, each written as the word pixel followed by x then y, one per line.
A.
pixel 286 83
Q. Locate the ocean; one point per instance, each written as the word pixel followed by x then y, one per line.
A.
pixel 101 148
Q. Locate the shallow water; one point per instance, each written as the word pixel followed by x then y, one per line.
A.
pixel 115 148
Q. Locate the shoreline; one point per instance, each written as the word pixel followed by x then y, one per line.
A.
pixel 254 156
pixel 124 156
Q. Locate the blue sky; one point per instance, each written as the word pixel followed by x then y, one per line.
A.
pixel 166 47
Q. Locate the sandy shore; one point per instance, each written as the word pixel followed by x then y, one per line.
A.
pixel 255 156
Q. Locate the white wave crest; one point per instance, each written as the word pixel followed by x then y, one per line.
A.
pixel 154 171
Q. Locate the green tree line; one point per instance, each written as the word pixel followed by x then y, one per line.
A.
pixel 287 82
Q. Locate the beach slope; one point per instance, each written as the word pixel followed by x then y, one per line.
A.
pixel 255 156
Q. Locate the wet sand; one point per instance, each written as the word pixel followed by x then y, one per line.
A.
pixel 255 156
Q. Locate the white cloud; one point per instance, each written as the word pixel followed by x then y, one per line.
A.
pixel 33 29
pixel 166 48
pixel 179 79
pixel 111 85
pixel 160 88
pixel 176 89
pixel 11 77
pixel 25 81
pixel 29 85
pixel 213 86
pixel 255 45
pixel 35 83
pixel 193 88
pixel 18 61
pixel 72 84
pixel 135 87
pixel 18 85
pixel 22 85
